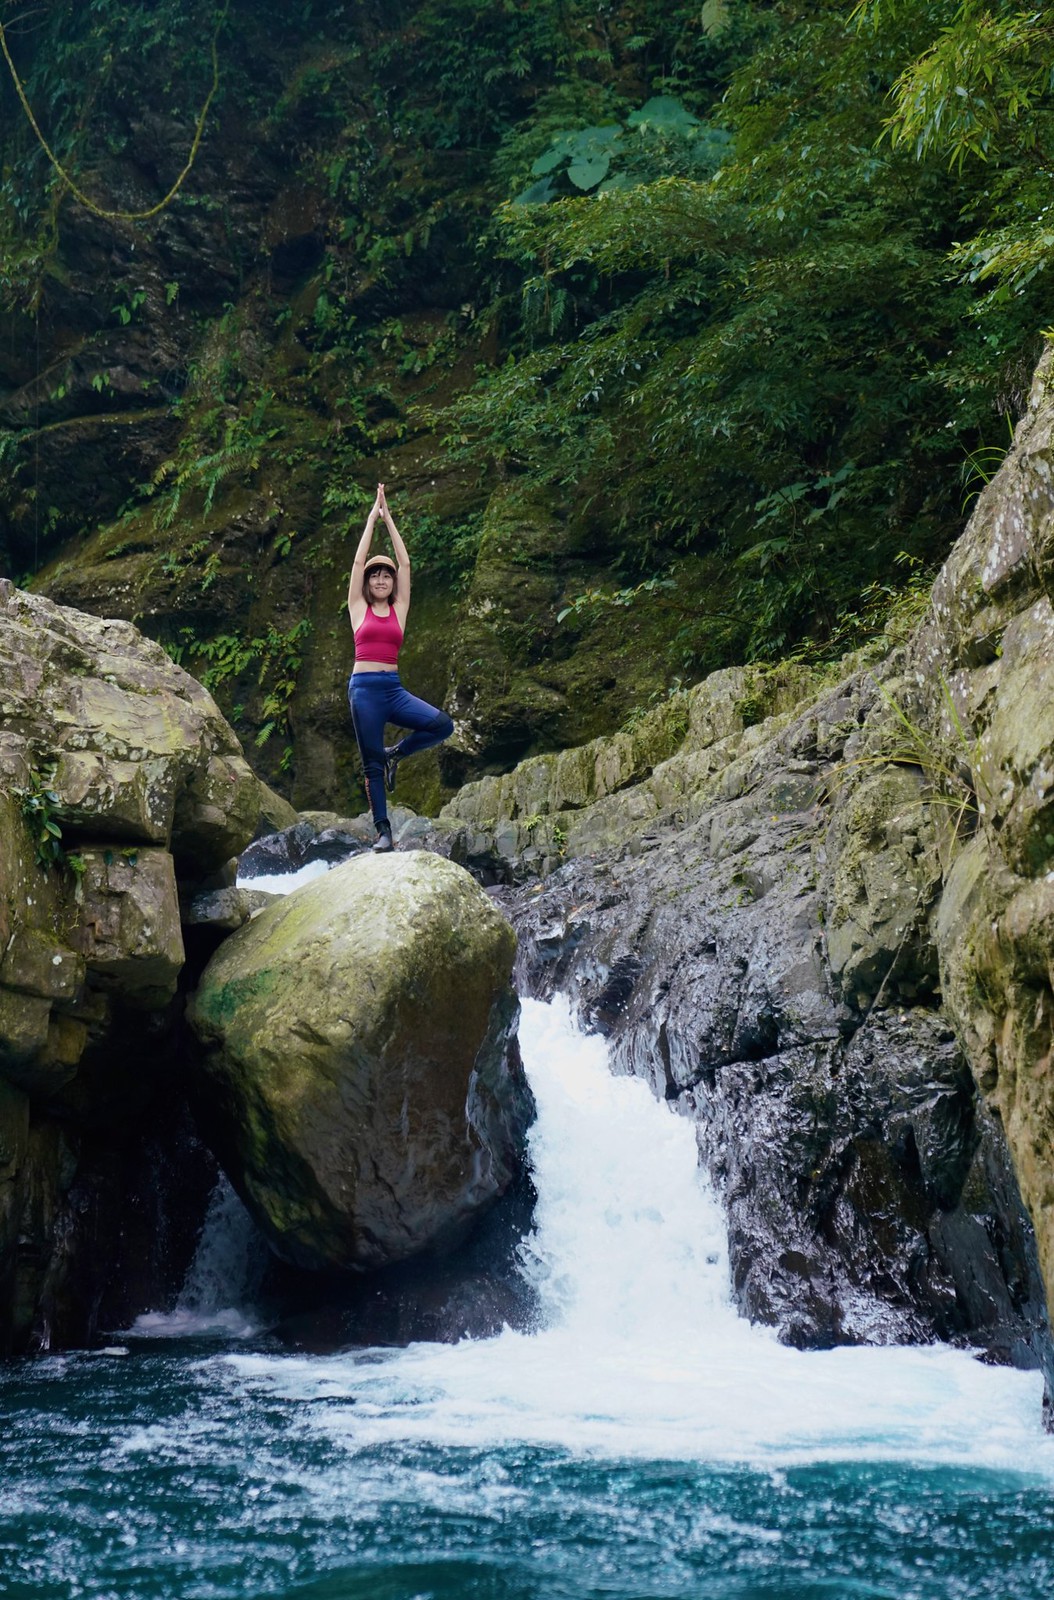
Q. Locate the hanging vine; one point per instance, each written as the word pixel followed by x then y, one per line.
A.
pixel 73 187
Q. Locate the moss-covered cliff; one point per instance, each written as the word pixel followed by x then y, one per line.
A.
pixel 723 345
pixel 195 406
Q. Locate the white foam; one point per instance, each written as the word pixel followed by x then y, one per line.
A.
pixel 285 882
pixel 641 1353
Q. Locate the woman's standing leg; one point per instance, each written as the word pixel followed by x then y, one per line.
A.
pixel 368 697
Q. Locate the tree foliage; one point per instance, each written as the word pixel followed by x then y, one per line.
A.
pixel 981 91
pixel 783 359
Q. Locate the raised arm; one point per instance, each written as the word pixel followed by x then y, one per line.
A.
pixel 356 603
pixel 402 603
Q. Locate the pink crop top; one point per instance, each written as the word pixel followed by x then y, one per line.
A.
pixel 379 638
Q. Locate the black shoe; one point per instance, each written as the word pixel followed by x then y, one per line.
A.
pixel 391 766
pixel 384 837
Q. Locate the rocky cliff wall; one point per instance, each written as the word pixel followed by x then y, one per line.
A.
pixel 119 780
pixel 822 929
pixel 983 668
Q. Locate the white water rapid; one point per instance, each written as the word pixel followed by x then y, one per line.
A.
pixel 640 1353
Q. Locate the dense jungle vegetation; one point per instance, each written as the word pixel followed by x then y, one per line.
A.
pixel 716 315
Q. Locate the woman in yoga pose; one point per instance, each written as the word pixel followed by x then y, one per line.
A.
pixel 378 603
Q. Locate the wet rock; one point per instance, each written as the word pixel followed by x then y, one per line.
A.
pixel 472 1293
pixel 850 1150
pixel 360 1068
pixel 297 846
pixel 222 911
pixel 326 836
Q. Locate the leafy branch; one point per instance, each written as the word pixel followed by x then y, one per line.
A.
pixel 40 806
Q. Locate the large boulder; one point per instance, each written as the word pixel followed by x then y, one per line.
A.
pixel 116 772
pixel 360 1066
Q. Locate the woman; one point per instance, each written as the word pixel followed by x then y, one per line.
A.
pixel 378 602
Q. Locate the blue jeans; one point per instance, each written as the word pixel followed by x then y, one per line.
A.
pixel 377 698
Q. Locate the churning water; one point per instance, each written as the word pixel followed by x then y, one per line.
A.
pixel 644 1442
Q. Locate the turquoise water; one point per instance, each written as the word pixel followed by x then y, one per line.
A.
pixel 152 1476
pixel 643 1442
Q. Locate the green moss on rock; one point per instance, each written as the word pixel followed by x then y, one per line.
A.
pixel 358 1061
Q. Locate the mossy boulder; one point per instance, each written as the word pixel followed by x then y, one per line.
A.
pixel 360 1066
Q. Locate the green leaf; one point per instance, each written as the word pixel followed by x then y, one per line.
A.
pixel 536 195
pixel 714 16
pixel 587 174
pixel 599 138
pixel 550 159
pixel 664 112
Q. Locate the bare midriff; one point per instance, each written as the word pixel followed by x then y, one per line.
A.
pixel 373 666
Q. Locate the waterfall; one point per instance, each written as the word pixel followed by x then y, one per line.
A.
pixel 222 1280
pixel 643 1440
pixel 640 1352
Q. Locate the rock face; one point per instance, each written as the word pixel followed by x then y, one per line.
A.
pixel 990 640
pixel 606 793
pixel 868 1191
pixel 139 751
pixel 117 774
pixel 360 1065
